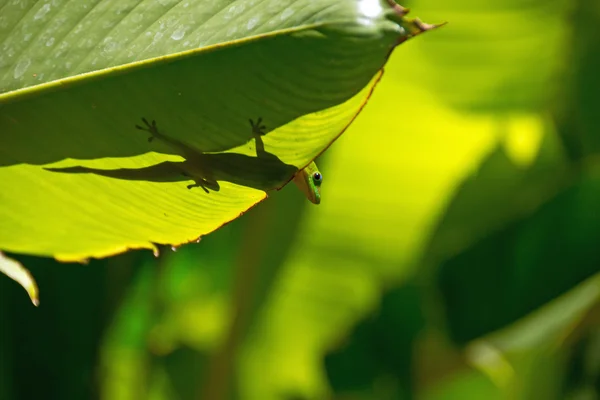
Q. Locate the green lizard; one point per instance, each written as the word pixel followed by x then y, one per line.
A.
pixel 308 179
pixel 309 182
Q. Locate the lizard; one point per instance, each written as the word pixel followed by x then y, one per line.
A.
pixel 308 179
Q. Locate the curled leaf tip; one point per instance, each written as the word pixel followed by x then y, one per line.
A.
pixel 16 271
pixel 155 249
pixel 423 26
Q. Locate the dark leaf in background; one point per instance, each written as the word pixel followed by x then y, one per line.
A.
pixel 511 273
pixel 579 113
pixel 186 368
pixel 57 345
pixel 378 354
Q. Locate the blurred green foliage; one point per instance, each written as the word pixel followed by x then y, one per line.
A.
pixel 454 256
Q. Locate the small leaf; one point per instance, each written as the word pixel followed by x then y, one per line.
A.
pixel 16 271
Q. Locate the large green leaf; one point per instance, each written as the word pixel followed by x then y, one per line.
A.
pixel 527 267
pixel 80 180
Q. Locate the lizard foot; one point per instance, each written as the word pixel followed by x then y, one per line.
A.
pixel 198 184
pixel 257 128
pixel 150 128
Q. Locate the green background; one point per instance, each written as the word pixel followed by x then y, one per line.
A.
pixel 454 255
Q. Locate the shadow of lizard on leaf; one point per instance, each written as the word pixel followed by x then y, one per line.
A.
pixel 264 172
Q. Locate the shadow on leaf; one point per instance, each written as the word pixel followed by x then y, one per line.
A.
pixel 264 172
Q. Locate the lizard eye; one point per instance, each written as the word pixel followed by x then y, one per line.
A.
pixel 317 178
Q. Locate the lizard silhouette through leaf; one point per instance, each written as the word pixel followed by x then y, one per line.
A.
pixel 264 172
